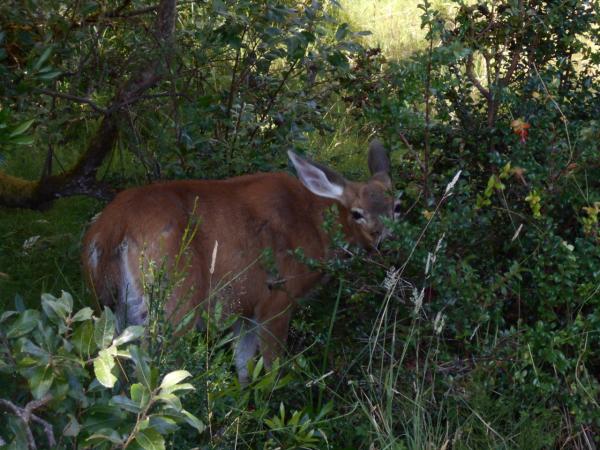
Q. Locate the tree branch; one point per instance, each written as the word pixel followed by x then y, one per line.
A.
pixel 27 416
pixel 81 178
pixel 74 98
pixel 514 62
pixel 473 79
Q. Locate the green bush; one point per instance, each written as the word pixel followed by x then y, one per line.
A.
pixel 73 383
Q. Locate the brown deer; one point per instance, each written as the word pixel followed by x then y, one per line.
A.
pixel 237 219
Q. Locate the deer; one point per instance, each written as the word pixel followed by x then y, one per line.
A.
pixel 237 219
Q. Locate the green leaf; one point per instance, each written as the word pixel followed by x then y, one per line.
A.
pixel 257 369
pixel 26 322
pixel 125 403
pixel 72 428
pixel 150 439
pixel 67 300
pixel 105 434
pixel 171 400
pixel 140 394
pixel 41 381
pixel 193 421
pixel 42 59
pixel 142 370
pixel 131 333
pixel 6 314
pixel 172 378
pixel 341 32
pixel 83 339
pixel 103 366
pixel 22 140
pixel 83 314
pixel 41 355
pixel 163 424
pixel 54 309
pixel 50 75
pixel 20 129
pixel 178 387
pixel 104 329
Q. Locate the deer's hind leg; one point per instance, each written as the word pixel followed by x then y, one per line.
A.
pixel 273 317
pixel 245 349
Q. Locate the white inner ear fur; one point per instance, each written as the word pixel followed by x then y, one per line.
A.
pixel 315 179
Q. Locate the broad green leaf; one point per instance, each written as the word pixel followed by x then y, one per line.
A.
pixel 341 32
pixel 193 421
pixel 67 300
pixel 21 128
pixel 83 314
pixel 105 434
pixel 163 424
pixel 170 400
pixel 103 366
pixel 177 387
pixel 41 355
pixel 131 333
pixel 104 330
pixel 125 403
pixel 26 322
pixel 41 381
pixel 22 140
pixel 54 309
pixel 140 394
pixel 5 315
pixel 150 439
pixel 174 377
pixel 142 370
pixel 83 339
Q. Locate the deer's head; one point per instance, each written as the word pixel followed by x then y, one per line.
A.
pixel 365 204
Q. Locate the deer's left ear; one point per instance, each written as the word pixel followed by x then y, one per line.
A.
pixel 318 179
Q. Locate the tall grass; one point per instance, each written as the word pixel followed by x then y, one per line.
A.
pixel 395 24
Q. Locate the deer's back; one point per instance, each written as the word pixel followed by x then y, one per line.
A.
pixel 185 221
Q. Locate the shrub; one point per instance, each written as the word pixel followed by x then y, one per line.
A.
pixel 73 383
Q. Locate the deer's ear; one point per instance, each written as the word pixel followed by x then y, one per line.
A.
pixel 378 158
pixel 379 162
pixel 318 179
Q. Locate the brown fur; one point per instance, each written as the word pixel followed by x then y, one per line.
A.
pixel 245 215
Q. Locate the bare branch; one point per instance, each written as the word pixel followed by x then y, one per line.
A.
pixel 74 98
pixel 26 415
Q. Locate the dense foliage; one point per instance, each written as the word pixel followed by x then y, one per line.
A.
pixel 476 327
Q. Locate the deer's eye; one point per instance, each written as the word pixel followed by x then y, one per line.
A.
pixel 357 215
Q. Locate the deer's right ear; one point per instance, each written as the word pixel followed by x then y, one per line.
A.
pixel 318 179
